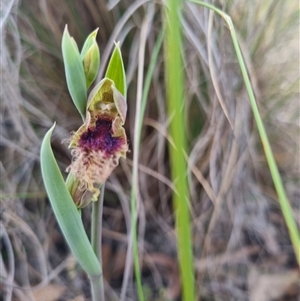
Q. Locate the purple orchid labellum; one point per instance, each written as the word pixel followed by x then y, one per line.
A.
pixel 99 143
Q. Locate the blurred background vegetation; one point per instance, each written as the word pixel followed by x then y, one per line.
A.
pixel 242 250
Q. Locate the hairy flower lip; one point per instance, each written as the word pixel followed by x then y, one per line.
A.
pixel 92 136
pixel 100 137
pixel 100 142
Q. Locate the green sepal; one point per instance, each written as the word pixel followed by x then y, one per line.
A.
pixel 74 72
pixel 65 210
pixel 115 70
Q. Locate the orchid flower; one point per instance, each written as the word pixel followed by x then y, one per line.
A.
pixel 96 147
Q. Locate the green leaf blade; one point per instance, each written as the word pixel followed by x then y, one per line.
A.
pixel 65 210
pixel 74 72
pixel 175 95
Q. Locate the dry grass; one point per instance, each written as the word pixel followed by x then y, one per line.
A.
pixel 238 231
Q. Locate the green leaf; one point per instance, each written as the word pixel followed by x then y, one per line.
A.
pixel 65 210
pixel 74 72
pixel 175 92
pixel 115 70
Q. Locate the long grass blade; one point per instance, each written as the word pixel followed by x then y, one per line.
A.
pixel 282 197
pixel 175 101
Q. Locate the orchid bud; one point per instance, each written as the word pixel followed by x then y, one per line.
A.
pixel 80 197
pixel 90 56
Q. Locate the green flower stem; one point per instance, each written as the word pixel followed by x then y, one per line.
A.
pixel 96 240
pixel 96 227
pixel 175 105
pixel 283 200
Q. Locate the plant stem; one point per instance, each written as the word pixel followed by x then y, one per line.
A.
pixel 96 227
pixel 96 241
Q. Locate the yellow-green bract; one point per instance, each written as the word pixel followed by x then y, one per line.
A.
pixel 116 72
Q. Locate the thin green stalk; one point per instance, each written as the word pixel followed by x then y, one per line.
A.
pixel 96 241
pixel 134 190
pixel 137 270
pixel 147 83
pixel 96 224
pixel 282 197
pixel 148 79
pixel 175 100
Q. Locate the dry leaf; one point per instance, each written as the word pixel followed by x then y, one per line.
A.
pixel 51 292
pixel 265 287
